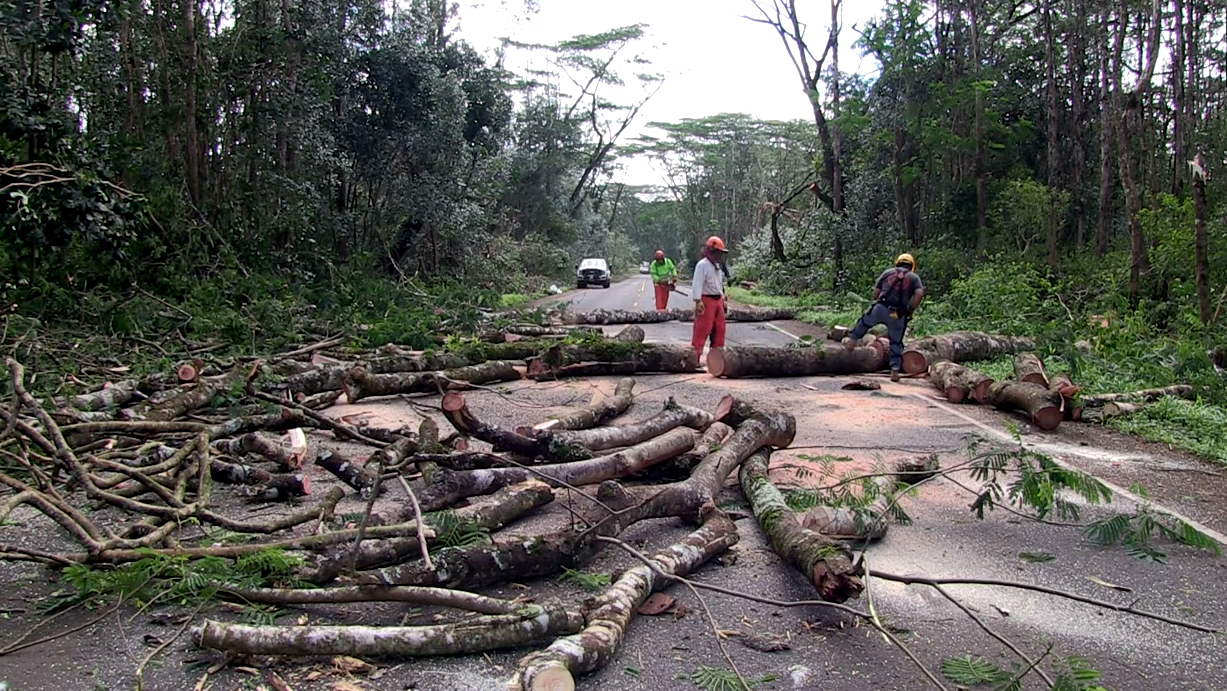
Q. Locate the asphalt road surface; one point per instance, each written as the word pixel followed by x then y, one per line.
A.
pixel 636 294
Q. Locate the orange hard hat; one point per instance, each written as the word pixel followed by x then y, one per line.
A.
pixel 715 243
pixel 660 254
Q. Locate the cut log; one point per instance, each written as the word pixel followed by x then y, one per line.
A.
pixel 359 383
pixel 601 438
pixel 556 667
pixel 1029 367
pixel 438 597
pixel 447 487
pixel 347 471
pixel 823 561
pixel 457 412
pixel 1121 409
pixel 1099 400
pixel 257 444
pixel 1040 404
pixel 631 334
pixel 597 413
pixel 1063 385
pixel 607 358
pixel 199 396
pixel 761 361
pixel 958 382
pixel 960 346
pixel 531 623
pixel 110 396
pixel 269 486
pixel 737 314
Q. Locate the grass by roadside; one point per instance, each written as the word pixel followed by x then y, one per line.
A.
pixel 813 309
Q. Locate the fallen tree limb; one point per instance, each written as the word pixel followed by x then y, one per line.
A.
pixel 960 346
pixel 270 487
pixel 958 382
pixel 1042 405
pixel 457 411
pixel 441 597
pixel 595 414
pixel 1099 400
pixel 1065 387
pixel 446 487
pixel 761 361
pixel 528 624
pixel 741 314
pixel 110 396
pixel 601 438
pixel 611 358
pixel 609 615
pixel 358 383
pixel 824 562
pixel 347 471
pixel 257 444
pixel 1029 367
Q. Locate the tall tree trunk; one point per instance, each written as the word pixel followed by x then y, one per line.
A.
pixel 1052 132
pixel 1201 244
pixel 1179 113
pixel 1076 59
pixel 981 171
pixel 1107 106
pixel 837 168
pixel 192 147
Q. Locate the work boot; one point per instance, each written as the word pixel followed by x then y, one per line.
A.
pixel 894 375
pixel 849 343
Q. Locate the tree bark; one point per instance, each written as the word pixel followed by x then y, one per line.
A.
pixel 595 414
pixel 762 361
pixel 1100 400
pixel 358 383
pixel 621 358
pixel 270 487
pixel 457 412
pixel 824 562
pixel 1029 367
pixel 609 615
pixel 1201 244
pixel 531 623
pixel 958 382
pixel 447 487
pixel 960 346
pixel 1065 387
pixel 346 471
pixel 601 438
pixel 258 444
pixel 438 597
pixel 112 396
pixel 1042 405
pixel 1121 409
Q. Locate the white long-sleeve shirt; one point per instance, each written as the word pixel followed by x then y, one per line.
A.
pixel 708 280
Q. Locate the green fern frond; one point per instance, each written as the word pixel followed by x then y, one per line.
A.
pixel 970 671
pixel 1109 531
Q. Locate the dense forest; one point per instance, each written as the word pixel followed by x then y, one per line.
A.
pixel 245 159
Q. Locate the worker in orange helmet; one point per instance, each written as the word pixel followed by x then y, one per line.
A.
pixel 664 276
pixel 707 292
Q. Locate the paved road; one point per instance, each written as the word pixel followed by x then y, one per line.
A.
pixel 636 294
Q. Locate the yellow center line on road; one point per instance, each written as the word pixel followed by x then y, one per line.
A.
pixel 639 295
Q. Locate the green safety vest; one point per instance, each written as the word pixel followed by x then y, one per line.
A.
pixel 662 271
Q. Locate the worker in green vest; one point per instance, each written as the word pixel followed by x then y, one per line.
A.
pixel 664 277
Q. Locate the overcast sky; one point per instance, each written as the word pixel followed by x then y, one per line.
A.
pixel 714 60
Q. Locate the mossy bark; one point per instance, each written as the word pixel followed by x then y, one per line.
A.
pixel 824 562
pixel 960 346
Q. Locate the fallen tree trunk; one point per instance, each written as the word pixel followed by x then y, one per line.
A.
pixel 615 357
pixel 110 396
pixel 1065 387
pixel 762 361
pixel 601 438
pixel 958 382
pixel 198 396
pixel 823 561
pixel 257 444
pixel 597 413
pixel 447 487
pixel 960 346
pixel 1121 409
pixel 609 615
pixel 439 597
pixel 631 334
pixel 1099 400
pixel 1039 403
pixel 530 623
pixel 737 314
pixel 359 383
pixel 1029 367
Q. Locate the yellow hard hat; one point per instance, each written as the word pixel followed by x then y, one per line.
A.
pixel 906 258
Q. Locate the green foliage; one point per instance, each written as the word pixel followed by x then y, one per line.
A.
pixel 1190 425
pixel 454 531
pixel 1137 531
pixel 1034 483
pixel 713 679
pixel 179 580
pixel 1071 674
pixel 588 580
pixel 973 671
